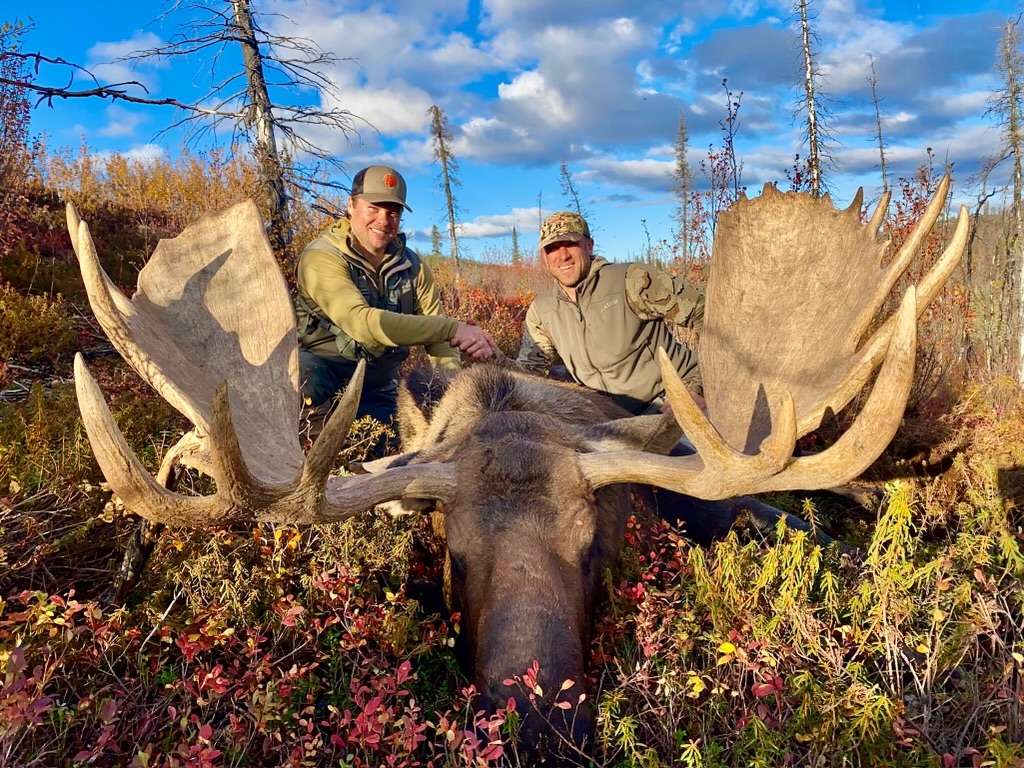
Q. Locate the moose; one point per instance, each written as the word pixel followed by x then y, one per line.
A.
pixel 531 476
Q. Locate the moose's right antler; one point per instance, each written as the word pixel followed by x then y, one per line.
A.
pixel 212 330
pixel 794 285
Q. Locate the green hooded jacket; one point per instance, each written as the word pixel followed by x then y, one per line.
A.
pixel 347 309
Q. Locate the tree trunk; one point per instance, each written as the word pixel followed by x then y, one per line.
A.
pixel 443 153
pixel 261 122
pixel 879 136
pixel 450 203
pixel 813 150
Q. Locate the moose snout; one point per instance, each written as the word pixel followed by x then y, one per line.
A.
pixel 546 728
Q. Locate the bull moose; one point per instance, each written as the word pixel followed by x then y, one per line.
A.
pixel 531 475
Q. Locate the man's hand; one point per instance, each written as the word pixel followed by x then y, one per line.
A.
pixel 474 342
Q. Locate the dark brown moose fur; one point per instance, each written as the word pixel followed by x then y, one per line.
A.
pixel 528 540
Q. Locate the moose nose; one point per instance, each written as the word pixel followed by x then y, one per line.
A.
pixel 545 731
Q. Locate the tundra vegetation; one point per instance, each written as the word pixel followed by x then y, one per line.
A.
pixel 325 645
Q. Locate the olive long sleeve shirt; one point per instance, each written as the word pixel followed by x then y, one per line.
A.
pixel 325 282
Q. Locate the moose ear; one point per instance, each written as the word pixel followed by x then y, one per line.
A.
pixel 412 421
pixel 418 393
pixel 657 433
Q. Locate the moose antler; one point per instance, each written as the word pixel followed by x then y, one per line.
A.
pixel 218 287
pixel 794 284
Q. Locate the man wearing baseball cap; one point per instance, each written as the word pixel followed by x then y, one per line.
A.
pixel 604 322
pixel 363 294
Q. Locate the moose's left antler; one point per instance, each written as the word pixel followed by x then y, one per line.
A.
pixel 793 287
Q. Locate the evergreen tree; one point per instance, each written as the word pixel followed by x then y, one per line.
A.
pixel 517 255
pixel 435 242
pixel 683 186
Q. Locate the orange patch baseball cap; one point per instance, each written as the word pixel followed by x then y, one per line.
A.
pixel 380 184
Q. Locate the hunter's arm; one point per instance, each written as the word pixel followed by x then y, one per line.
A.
pixel 441 353
pixel 536 351
pixel 327 282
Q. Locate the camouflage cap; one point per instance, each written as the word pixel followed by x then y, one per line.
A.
pixel 564 226
pixel 380 184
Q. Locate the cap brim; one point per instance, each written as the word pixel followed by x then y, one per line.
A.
pixel 565 237
pixel 380 197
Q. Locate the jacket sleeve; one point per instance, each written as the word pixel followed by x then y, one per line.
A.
pixel 327 282
pixel 441 353
pixel 654 294
pixel 536 352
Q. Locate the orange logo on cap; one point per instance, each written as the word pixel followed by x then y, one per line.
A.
pixel 390 181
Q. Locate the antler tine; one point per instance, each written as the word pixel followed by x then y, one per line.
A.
pixel 73 221
pixel 710 445
pixel 716 472
pixel 114 312
pixel 932 283
pixel 125 472
pixel 880 211
pixel 875 348
pixel 874 427
pixel 856 203
pixel 902 258
pixel 695 425
pixel 108 303
pixel 328 443
pixel 228 467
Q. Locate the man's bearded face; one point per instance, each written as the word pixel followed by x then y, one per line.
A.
pixel 568 261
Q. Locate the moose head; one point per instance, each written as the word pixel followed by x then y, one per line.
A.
pixel 530 474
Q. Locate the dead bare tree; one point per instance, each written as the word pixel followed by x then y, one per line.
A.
pixel 248 100
pixel 569 191
pixel 442 140
pixel 810 103
pixel 1006 106
pixel 879 137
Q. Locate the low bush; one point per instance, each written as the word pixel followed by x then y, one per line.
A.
pixel 34 328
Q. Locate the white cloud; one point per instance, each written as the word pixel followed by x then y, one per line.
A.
pixel 121 122
pixel 395 109
pixel 143 153
pixel 102 60
pixel 582 89
pixel 531 94
pixel 647 173
pixel 500 224
pixel 409 153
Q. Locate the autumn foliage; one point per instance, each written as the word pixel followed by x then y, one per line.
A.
pixel 329 645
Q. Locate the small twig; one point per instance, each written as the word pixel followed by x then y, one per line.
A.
pixel 163 617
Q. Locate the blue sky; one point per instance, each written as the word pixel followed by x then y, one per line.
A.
pixel 599 84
